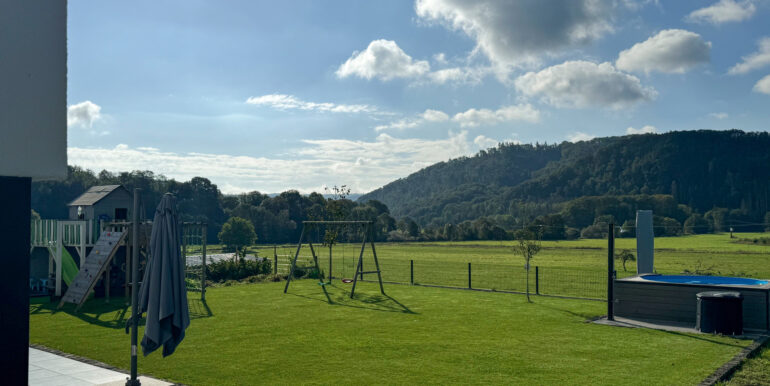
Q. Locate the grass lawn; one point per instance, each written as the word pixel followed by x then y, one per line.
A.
pixel 753 372
pixel 256 334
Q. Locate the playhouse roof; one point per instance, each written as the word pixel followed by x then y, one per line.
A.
pixel 94 195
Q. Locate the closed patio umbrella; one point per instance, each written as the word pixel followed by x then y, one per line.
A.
pixel 163 294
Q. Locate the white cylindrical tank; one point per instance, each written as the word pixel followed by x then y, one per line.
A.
pixel 645 242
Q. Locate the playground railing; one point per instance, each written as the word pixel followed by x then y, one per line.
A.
pixel 45 232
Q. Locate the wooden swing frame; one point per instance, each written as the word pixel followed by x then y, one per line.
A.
pixel 359 267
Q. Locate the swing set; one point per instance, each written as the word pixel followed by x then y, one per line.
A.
pixel 367 227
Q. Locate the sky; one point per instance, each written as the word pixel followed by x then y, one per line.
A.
pixel 278 95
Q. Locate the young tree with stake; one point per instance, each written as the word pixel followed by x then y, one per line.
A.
pixel 527 245
pixel 335 209
pixel 625 256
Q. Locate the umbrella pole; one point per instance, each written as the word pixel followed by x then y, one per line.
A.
pixel 133 381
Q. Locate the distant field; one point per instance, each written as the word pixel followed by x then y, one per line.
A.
pixel 672 254
pixel 570 268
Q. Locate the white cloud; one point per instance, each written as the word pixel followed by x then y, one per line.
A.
pixel 718 115
pixel 290 102
pixel 763 86
pixel 671 51
pixel 636 5
pixel 756 60
pixel 469 118
pixel 362 165
pixel 459 75
pixel 644 130
pixel 409 123
pixel 83 114
pixel 475 117
pixel 400 124
pixel 724 11
pixel 485 142
pixel 434 116
pixel 440 58
pixel 515 33
pixel 580 136
pixel 382 59
pixel 580 84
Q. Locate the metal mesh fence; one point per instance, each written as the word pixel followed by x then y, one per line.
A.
pixel 571 282
pixel 552 281
pixel 193 252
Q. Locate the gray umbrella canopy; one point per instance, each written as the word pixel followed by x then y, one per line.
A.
pixel 163 294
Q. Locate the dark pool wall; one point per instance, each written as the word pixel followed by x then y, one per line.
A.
pixel 672 302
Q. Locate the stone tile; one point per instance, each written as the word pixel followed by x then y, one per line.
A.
pixel 63 365
pixel 47 369
pixel 145 381
pixel 36 355
pixel 99 376
pixel 61 380
pixel 38 374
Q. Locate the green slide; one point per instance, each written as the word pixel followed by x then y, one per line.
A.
pixel 68 267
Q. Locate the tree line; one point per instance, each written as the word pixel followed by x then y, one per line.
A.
pixel 700 169
pixel 278 218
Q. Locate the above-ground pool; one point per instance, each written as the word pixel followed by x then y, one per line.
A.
pixel 671 298
pixel 717 280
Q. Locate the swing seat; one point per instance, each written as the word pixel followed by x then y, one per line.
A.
pixel 347 281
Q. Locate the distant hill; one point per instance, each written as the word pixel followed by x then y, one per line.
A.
pixel 700 169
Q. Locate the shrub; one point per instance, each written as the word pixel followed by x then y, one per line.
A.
pixel 596 231
pixel 307 273
pixel 191 284
pixel 225 270
pixel 666 226
pixel 696 224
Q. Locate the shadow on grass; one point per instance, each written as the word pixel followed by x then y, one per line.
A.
pixel 589 316
pixel 113 315
pixel 94 311
pixel 198 309
pixel 705 338
pixel 584 315
pixel 340 296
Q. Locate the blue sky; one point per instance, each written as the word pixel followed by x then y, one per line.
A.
pixel 272 96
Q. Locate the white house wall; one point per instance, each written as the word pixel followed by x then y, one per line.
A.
pixel 33 91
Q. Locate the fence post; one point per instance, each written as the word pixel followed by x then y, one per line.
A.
pixel 610 272
pixel 411 272
pixel 469 276
pixel 204 232
pixel 537 280
pixel 275 260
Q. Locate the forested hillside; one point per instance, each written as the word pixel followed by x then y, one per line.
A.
pixel 695 182
pixel 700 169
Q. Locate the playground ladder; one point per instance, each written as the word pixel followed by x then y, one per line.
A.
pixel 96 263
